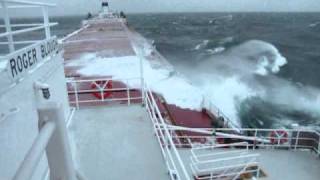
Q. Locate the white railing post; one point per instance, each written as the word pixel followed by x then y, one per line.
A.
pixel 76 94
pixel 255 139
pixel 142 87
pixel 318 150
pixel 297 140
pixel 8 26
pixel 58 150
pixel 46 21
pixel 101 89
pixel 35 153
pixel 128 93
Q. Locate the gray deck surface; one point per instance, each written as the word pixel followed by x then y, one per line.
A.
pixel 279 164
pixel 116 143
pixel 290 165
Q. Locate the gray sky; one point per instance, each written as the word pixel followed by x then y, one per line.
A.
pixel 72 7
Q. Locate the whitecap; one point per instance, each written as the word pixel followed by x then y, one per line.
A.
pixel 203 44
pixel 215 50
pixel 315 24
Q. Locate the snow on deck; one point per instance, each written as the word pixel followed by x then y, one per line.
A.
pixel 116 143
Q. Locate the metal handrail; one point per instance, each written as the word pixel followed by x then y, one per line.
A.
pixel 22 25
pixel 164 138
pixel 40 4
pixel 7 4
pixel 34 155
pixel 297 138
pixel 27 30
pixel 74 85
pixel 53 140
pixel 233 163
pixel 227 121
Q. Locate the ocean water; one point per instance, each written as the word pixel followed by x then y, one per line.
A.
pixel 261 69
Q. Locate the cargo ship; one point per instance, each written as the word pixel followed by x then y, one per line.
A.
pixel 90 106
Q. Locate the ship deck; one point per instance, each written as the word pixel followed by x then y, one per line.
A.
pixel 277 164
pixel 116 143
pixel 289 164
pixel 112 38
pixel 110 143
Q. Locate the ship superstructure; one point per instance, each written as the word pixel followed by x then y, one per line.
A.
pixel 82 108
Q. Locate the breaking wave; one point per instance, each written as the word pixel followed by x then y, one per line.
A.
pixel 264 56
pixel 202 45
pixel 249 71
pixel 221 18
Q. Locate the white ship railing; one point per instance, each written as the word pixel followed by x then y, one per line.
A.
pixel 6 5
pixel 174 163
pixel 77 88
pixel 209 164
pixel 227 122
pixel 53 140
pixel 262 138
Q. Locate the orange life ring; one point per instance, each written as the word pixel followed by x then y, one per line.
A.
pixel 278 136
pixel 102 86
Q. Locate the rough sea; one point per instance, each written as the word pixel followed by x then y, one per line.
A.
pixel 261 69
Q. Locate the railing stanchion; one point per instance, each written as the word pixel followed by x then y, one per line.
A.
pixel 128 92
pixel 297 140
pixel 318 150
pixel 255 139
pixel 76 94
pixel 102 90
pixel 8 26
pixel 46 21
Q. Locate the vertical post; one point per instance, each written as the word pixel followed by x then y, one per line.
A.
pixel 76 94
pixel 128 92
pixel 141 77
pixel 46 21
pixel 258 172
pixel 297 140
pixel 8 26
pixel 255 139
pixel 102 91
pixel 318 146
pixel 58 149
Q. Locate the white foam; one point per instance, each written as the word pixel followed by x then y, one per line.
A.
pixel 216 50
pixel 203 44
pixel 263 56
pixel 262 66
pixel 225 93
pixel 315 24
pixel 174 88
